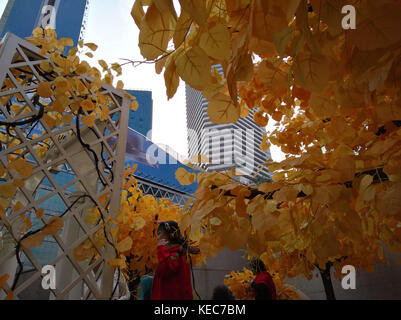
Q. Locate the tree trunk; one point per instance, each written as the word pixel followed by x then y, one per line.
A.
pixel 328 285
pixel 133 283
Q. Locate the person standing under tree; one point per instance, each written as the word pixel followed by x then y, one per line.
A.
pixel 172 280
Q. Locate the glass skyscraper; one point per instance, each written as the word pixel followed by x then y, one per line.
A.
pixel 225 145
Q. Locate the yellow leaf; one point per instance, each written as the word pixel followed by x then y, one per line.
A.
pixel 160 64
pixel 265 145
pixel 7 190
pixel 125 244
pixel 286 194
pixel 184 177
pixel 91 46
pixel 388 202
pixel 281 40
pixel 156 30
pixel 222 110
pixel 54 225
pixel 99 240
pixel 46 66
pixel 84 251
pixel 196 9
pixel 89 120
pixel 104 114
pixel 117 68
pixel 171 78
pixel 181 31
pixel 120 85
pixel 365 182
pixel 138 223
pixel 261 119
pixel 103 198
pixel 134 105
pixel 117 263
pixel 50 121
pixel 201 158
pixel 312 71
pixel 19 183
pixel 137 12
pixel 23 167
pixel 244 70
pixel 18 206
pixel 273 77
pixel 216 42
pixel 27 224
pixel 72 52
pixel 87 104
pixel 88 54
pixel 67 118
pixel 83 68
pixel 44 89
pixel 108 78
pixel 322 106
pixel 33 241
pixel 39 213
pixel 4 203
pixel 193 66
pixel 93 216
pixel 103 64
pixel 215 221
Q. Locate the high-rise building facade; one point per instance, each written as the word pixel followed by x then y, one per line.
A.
pixel 225 145
pixel 141 120
pixel 66 16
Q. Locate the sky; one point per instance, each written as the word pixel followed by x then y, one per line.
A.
pixel 112 28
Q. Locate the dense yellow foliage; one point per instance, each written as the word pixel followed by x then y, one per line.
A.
pixel 336 96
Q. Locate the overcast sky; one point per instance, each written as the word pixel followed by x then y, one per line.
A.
pixel 111 27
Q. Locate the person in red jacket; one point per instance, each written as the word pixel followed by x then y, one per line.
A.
pixel 263 285
pixel 172 280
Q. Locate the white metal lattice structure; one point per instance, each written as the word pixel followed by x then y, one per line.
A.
pixel 159 191
pixel 75 280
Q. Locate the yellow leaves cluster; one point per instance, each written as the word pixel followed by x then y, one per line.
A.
pixel 156 31
pixel 185 177
pixel 199 41
pixel 135 231
pixel 239 284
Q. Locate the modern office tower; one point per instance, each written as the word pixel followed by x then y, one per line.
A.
pixel 68 17
pixel 226 145
pixel 141 120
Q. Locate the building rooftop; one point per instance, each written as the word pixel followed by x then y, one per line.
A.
pixel 154 163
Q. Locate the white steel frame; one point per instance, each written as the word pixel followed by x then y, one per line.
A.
pixel 91 280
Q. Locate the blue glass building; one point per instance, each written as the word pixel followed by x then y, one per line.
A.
pixel 141 120
pixel 22 16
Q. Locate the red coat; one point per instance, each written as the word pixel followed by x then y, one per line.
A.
pixel 264 278
pixel 172 280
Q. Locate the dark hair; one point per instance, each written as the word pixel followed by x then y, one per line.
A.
pixel 257 265
pixel 222 293
pixel 173 232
